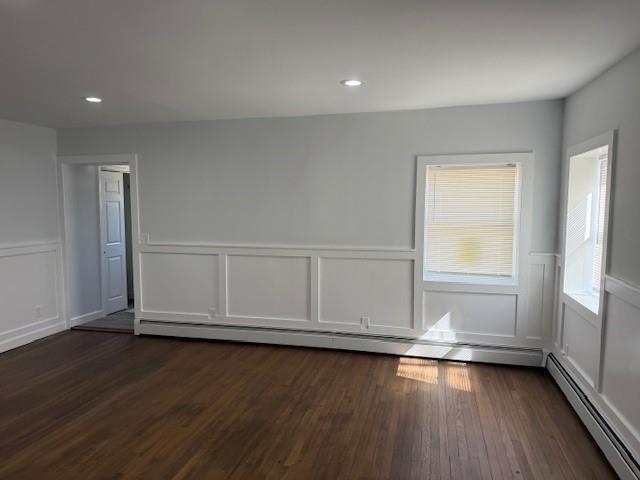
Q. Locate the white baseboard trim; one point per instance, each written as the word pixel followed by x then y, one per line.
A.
pixel 344 341
pixel 87 317
pixel 617 454
pixel 34 331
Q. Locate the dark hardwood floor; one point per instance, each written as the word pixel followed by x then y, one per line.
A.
pixel 86 405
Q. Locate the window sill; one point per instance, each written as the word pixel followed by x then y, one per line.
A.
pixel 590 300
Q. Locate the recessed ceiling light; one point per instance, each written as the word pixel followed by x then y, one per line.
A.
pixel 93 99
pixel 352 82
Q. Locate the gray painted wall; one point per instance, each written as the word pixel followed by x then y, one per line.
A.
pixel 345 180
pixel 28 191
pixel 30 290
pixel 612 101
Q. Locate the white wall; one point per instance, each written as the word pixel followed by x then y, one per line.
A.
pixel 30 288
pixel 602 355
pixel 344 180
pixel 81 197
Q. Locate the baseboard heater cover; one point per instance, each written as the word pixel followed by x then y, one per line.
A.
pixel 619 456
pixel 347 341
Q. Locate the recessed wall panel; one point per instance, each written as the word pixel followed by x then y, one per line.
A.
pixel 182 283
pixel 352 288
pixel 581 343
pixel 621 374
pixel 269 287
pixel 29 289
pixel 448 313
pixel 533 326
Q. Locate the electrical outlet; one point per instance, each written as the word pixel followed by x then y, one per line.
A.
pixel 38 311
pixel 364 322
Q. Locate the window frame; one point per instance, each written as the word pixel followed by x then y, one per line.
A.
pixel 606 139
pixel 524 161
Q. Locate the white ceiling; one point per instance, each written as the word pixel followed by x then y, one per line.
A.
pixel 162 60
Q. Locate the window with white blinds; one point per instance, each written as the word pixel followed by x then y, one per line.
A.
pixel 471 218
pixel 585 225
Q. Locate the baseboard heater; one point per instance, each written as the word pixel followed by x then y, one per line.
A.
pixel 621 459
pixel 346 341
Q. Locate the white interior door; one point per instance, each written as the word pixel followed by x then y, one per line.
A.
pixel 114 262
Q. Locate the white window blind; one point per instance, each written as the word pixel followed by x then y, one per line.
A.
pixel 471 219
pixel 602 201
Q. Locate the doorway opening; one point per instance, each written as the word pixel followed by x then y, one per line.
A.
pixel 99 248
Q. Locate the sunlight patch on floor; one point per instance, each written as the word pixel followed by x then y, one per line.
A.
pixel 458 376
pixel 455 375
pixel 419 369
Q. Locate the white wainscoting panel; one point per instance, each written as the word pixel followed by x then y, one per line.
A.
pixel 179 283
pixel 446 315
pixel 621 368
pixel 339 290
pixel 541 299
pixel 265 287
pixel 581 343
pixel 616 365
pixel 533 328
pixel 365 294
pixel 30 299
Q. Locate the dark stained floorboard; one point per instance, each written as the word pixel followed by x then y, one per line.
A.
pixel 101 406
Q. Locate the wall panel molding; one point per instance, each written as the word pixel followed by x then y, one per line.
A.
pixel 623 290
pixel 275 246
pixel 359 299
pixel 27 248
pixel 372 295
pixel 33 298
pixel 611 384
pixel 263 287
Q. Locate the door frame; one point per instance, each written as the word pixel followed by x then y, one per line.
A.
pixel 130 159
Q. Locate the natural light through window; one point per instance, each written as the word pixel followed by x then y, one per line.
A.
pixel 585 226
pixel 471 220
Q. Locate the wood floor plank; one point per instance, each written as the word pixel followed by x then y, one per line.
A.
pixel 100 406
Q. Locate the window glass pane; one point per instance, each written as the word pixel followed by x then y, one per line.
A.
pixel 470 219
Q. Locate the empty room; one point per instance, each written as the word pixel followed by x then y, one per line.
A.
pixel 319 239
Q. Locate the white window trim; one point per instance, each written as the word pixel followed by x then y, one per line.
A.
pixel 521 227
pixel 606 139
